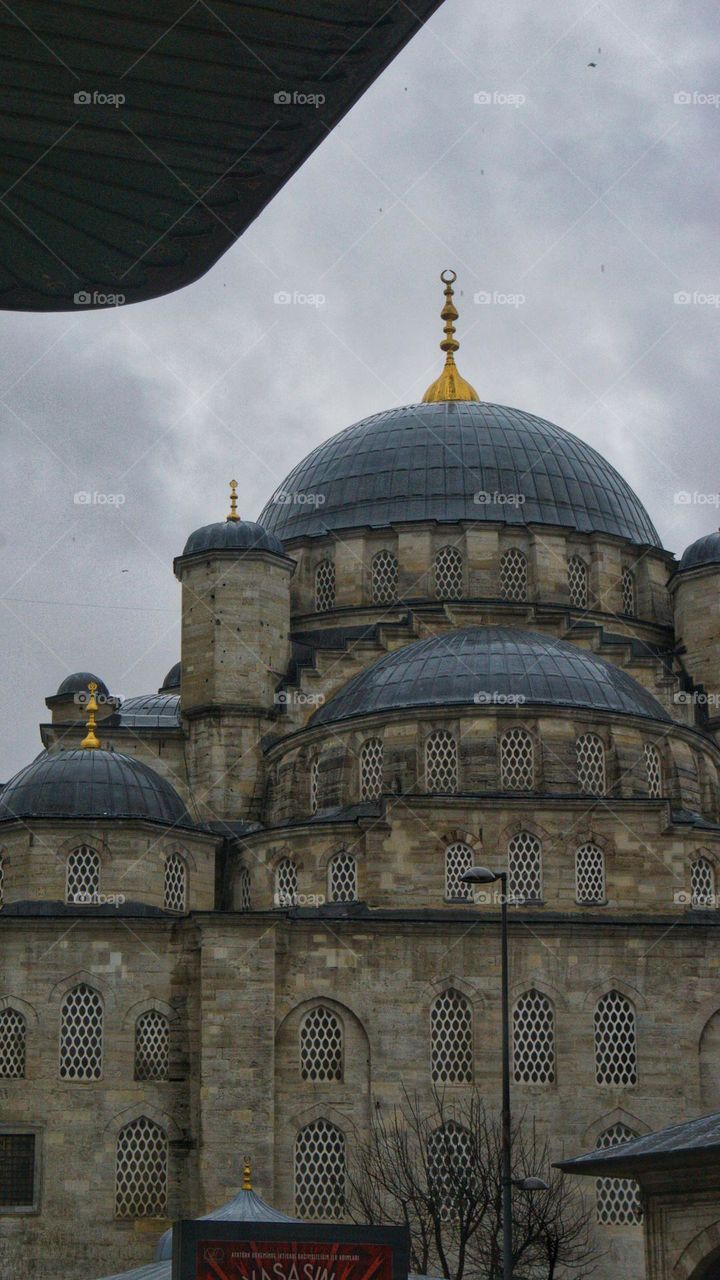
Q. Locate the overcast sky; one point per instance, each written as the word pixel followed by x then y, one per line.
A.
pixel 586 191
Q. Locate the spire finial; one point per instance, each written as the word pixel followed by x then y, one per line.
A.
pixel 233 512
pixel 91 739
pixel 246 1183
pixel 450 385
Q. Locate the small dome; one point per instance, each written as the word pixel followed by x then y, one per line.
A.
pixel 490 666
pixel 78 683
pixel 172 679
pixel 91 783
pixel 705 551
pixel 148 711
pixel 232 535
pixel 246 1206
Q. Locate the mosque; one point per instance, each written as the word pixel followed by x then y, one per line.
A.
pixel 234 921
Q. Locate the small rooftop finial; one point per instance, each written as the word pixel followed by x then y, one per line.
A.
pixel 246 1183
pixel 233 512
pixel 91 739
pixel 450 385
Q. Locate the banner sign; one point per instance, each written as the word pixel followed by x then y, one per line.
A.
pixel 207 1250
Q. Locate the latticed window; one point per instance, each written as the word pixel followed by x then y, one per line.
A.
pixel 702 883
pixel 371 769
pixel 533 1039
pixel 321 1046
pixel 449 1161
pixel 325 586
pixel 449 574
pixel 590 756
pixel 286 883
pixel 615 1050
pixel 517 763
pixel 514 575
pixel 578 582
pixel 653 770
pixel 384 578
pixel 314 784
pixel 175 883
pixel 451 1039
pixel 627 584
pixel 441 762
pixel 152 1046
pixel 458 860
pixel 13 1030
pixel 342 878
pixel 320 1171
pixel 589 875
pixel 618 1199
pixel 82 876
pixel 524 868
pixel 141 1170
pixel 81 1034
pixel 243 894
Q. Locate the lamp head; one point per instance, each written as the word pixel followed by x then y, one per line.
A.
pixel 479 875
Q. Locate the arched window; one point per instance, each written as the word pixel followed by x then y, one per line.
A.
pixel 618 1199
pixel 286 883
pixel 615 1051
pixel 449 1164
pixel 384 578
pixel 524 868
pixel 82 876
pixel 342 878
pixel 321 1046
pixel 449 574
pixel 702 883
pixel 141 1170
pixel 458 860
pixel 578 582
pixel 590 756
pixel 152 1046
pixel 13 1033
pixel 627 586
pixel 371 769
pixel 324 586
pixel 320 1171
pixel 517 762
pixel 653 771
pixel 514 575
pixel 314 784
pixel 244 899
pixel 175 883
pixel 441 763
pixel 81 1034
pixel 451 1039
pixel 589 875
pixel 533 1039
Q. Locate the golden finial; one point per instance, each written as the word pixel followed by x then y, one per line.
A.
pixel 91 739
pixel 246 1183
pixel 233 512
pixel 450 385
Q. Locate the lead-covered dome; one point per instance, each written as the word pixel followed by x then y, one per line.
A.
pixel 490 666
pixel 705 551
pixel 445 462
pixel 232 535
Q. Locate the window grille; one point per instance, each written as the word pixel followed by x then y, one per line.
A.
pixel 325 586
pixel 533 1039
pixel 590 755
pixel 514 575
pixel 615 1051
pixel 342 878
pixel 286 883
pixel 141 1170
pixel 451 1039
pixel 371 769
pixel 517 764
pixel 524 868
pixel 702 883
pixel 628 592
pixel 578 582
pixel 175 883
pixel 618 1199
pixel 449 1161
pixel 441 763
pixel 320 1171
pixel 314 784
pixel 244 898
pixel 321 1046
pixel 458 860
pixel 152 1046
pixel 81 1034
pixel 653 770
pixel 384 578
pixel 82 876
pixel 589 875
pixel 449 574
pixel 13 1030
pixel 17 1171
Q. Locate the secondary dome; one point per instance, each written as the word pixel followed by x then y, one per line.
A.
pixel 705 551
pixel 85 783
pixel 232 534
pixel 78 683
pixel 490 666
pixel 172 679
pixel 455 460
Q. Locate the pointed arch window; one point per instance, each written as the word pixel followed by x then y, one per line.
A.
pixel 286 883
pixel 458 860
pixel 82 876
pixel 590 757
pixel 81 1034
pixel 451 1038
pixel 175 883
pixel 524 868
pixel 618 1199
pixel 627 587
pixel 342 877
pixel 702 883
pixel 449 1163
pixel 653 770
pixel 244 899
pixel 589 875
pixel 321 1046
pixel 152 1046
pixel 615 1047
pixel 533 1039
pixel 514 575
pixel 441 763
pixel 517 761
pixel 13 1036
pixel 449 574
pixel 141 1170
pixel 384 572
pixel 371 769
pixel 324 586
pixel 320 1171
pixel 578 582
pixel 314 784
